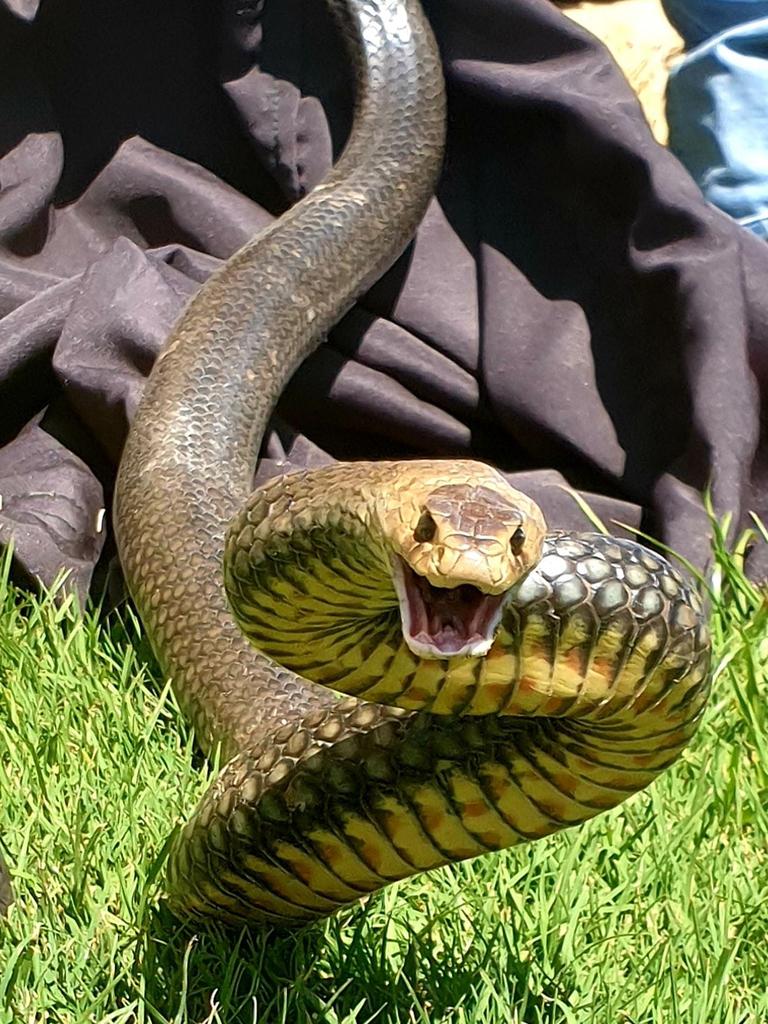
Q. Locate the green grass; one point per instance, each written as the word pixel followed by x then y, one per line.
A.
pixel 654 912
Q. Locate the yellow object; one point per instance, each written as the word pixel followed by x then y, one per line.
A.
pixel 642 43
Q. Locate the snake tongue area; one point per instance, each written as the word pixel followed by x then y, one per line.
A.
pixel 444 622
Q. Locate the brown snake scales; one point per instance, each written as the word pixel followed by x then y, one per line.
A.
pixel 502 682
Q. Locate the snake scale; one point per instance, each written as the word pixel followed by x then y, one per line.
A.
pixel 498 682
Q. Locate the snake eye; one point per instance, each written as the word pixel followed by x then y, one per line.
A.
pixel 425 528
pixel 517 540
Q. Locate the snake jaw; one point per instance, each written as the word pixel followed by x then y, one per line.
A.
pixel 445 622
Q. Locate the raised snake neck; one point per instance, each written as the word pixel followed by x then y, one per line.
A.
pixel 394 790
pixel 189 459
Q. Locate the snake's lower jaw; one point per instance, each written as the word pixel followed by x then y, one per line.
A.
pixel 423 647
pixel 446 622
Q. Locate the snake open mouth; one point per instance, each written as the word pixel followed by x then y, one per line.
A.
pixel 443 622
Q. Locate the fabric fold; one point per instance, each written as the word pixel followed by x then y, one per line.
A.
pixel 572 310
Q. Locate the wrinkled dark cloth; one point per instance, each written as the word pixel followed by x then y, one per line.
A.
pixel 572 310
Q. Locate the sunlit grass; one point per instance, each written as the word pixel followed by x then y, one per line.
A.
pixel 654 912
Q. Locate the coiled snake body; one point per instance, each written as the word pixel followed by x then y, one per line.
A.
pixel 502 683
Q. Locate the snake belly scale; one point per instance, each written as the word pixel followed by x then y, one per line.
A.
pixel 498 682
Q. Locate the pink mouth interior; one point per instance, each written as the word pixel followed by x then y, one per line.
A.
pixel 449 619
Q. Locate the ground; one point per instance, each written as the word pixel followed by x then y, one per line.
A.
pixel 654 912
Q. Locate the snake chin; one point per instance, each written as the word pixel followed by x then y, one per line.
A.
pixel 445 622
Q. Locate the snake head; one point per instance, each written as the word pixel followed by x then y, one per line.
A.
pixel 454 555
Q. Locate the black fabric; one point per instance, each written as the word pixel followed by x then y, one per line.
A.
pixel 572 310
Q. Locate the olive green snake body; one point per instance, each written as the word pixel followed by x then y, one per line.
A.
pixel 598 669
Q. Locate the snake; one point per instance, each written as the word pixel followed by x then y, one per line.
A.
pixel 398 664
